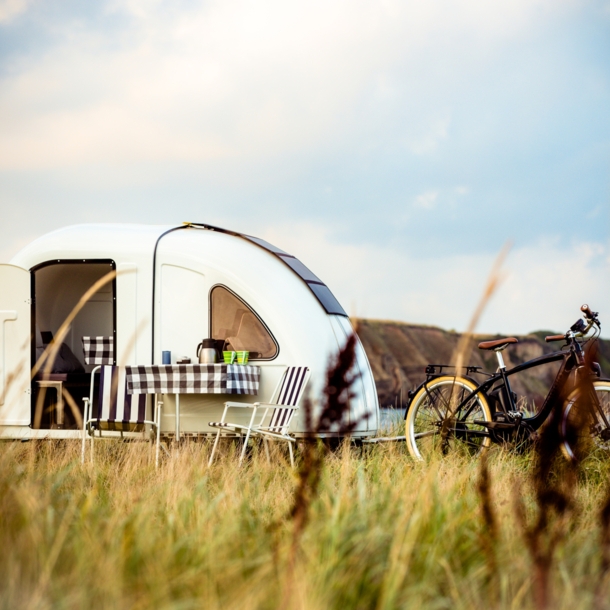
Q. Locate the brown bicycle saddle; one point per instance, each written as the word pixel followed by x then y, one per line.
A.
pixel 497 344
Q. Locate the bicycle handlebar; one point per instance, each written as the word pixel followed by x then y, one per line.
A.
pixel 554 338
pixel 578 329
pixel 590 315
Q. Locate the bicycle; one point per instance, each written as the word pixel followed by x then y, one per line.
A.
pixel 455 412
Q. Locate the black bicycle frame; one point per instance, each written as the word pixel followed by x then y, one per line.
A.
pixel 537 420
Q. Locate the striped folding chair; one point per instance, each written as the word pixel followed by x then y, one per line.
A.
pixel 274 417
pixel 117 410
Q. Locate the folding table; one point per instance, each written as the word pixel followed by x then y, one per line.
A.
pixel 192 379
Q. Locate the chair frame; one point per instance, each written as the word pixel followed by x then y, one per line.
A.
pixel 88 419
pixel 266 432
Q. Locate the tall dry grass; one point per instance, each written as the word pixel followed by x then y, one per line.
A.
pixel 384 532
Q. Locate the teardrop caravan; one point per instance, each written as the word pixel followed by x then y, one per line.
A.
pixel 174 286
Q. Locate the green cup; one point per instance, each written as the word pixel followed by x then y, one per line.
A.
pixel 229 357
pixel 242 357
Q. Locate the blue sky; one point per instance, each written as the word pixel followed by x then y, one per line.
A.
pixel 392 146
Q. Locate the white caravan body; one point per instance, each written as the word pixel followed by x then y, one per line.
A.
pixel 167 296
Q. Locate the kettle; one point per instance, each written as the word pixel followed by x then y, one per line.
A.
pixel 206 351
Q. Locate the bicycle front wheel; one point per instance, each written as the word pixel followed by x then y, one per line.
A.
pixel 582 433
pixel 436 421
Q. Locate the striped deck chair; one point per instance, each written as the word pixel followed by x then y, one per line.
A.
pixel 117 411
pixel 274 417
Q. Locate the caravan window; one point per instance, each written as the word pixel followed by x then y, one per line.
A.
pixel 234 322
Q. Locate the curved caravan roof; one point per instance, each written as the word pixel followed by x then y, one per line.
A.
pixel 181 265
pixel 136 239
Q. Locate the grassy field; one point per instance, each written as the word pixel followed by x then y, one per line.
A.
pixel 384 532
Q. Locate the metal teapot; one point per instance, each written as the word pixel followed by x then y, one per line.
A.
pixel 206 351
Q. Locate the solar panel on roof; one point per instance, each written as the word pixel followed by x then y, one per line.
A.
pixel 327 299
pixel 300 269
pixel 263 244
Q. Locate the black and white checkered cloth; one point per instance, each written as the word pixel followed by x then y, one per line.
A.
pixel 193 379
pixel 98 350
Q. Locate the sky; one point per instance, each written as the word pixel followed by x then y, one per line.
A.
pixel 394 147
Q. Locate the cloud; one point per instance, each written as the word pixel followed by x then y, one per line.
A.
pixel 429 143
pixel 426 200
pixel 9 9
pixel 237 80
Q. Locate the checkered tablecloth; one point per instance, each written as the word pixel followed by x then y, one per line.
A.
pixel 193 379
pixel 98 350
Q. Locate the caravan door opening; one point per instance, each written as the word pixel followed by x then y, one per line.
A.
pixel 57 287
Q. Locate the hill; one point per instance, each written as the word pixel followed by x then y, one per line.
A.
pixel 399 352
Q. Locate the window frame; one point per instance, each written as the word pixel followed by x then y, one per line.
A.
pixel 250 308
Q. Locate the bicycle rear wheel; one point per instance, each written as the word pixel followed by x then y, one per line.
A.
pixel 434 422
pixel 584 431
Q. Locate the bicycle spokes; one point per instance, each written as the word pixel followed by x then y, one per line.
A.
pixel 443 418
